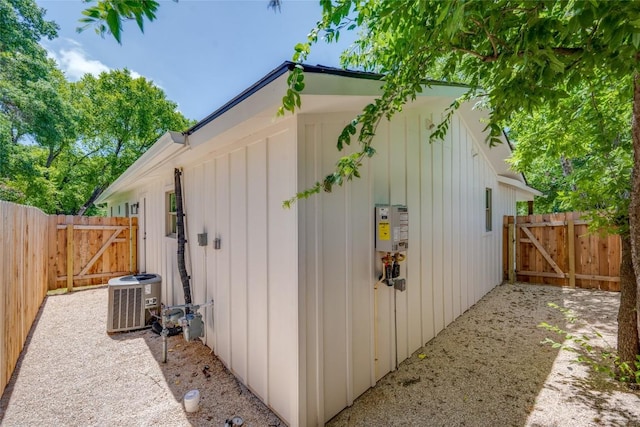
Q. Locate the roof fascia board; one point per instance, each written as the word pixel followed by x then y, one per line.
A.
pixel 287 66
pixel 476 119
pixel 519 185
pixel 350 85
pixel 264 102
pixel 266 80
pixel 166 146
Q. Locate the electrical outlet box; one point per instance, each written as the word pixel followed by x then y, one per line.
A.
pixel 400 284
pixel 392 228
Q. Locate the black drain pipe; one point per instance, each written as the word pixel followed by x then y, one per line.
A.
pixel 182 268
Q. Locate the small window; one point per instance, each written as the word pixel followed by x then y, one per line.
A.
pixel 171 214
pixel 488 207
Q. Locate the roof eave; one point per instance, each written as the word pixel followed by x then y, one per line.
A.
pixel 166 146
pixel 523 189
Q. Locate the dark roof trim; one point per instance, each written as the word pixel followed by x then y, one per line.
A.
pixel 288 66
pixel 273 75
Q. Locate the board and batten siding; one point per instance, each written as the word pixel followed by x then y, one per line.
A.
pixel 335 267
pixel 350 340
pixel 236 194
pixel 238 198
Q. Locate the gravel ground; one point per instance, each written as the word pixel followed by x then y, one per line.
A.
pixel 488 368
pixel 74 374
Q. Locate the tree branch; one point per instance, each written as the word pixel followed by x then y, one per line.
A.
pixel 483 58
pixel 490 36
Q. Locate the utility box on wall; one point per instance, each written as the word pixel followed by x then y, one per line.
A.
pixel 392 228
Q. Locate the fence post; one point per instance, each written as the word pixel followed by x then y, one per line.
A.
pixel 133 231
pixel 511 234
pixel 133 246
pixel 572 250
pixel 52 237
pixel 69 253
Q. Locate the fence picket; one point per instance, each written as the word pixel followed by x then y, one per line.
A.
pixel 24 274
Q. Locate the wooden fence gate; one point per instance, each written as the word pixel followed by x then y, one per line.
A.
pixel 558 249
pixel 90 250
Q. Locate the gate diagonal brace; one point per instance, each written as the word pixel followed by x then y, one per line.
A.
pixel 540 248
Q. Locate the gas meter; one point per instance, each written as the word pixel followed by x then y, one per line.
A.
pixel 392 228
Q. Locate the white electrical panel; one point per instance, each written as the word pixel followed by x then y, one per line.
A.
pixel 392 228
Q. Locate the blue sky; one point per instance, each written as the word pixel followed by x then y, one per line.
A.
pixel 201 53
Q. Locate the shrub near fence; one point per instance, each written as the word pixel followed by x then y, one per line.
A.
pixel 24 274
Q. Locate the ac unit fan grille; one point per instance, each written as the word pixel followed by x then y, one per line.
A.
pixel 127 308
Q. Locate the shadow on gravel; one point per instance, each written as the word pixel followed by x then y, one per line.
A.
pixel 607 401
pixel 600 396
pixel 486 368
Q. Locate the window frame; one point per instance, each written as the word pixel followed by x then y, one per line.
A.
pixel 171 214
pixel 488 209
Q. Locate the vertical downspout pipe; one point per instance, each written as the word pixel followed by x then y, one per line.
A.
pixel 182 268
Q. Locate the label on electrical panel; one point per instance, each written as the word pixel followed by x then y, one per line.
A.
pixel 147 289
pixel 384 231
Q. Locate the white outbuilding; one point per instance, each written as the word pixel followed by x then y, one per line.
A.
pixel 299 315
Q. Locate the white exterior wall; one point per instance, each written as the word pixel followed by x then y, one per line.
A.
pixel 238 197
pixel 335 270
pixel 350 339
pixel 296 317
pixel 236 194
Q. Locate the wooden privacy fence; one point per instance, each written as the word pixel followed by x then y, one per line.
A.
pixel 91 250
pixel 24 272
pixel 558 249
pixel 39 252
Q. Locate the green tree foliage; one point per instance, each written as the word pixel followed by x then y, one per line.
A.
pixel 579 153
pixel 62 143
pixel 122 117
pixel 22 25
pixel 30 106
pixel 107 16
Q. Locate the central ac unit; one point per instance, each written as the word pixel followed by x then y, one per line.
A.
pixel 133 300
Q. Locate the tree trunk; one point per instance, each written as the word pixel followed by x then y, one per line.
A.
pixel 634 203
pixel 94 196
pixel 628 344
pixel 51 157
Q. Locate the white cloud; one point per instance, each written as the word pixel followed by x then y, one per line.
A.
pixel 73 60
pixel 75 63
